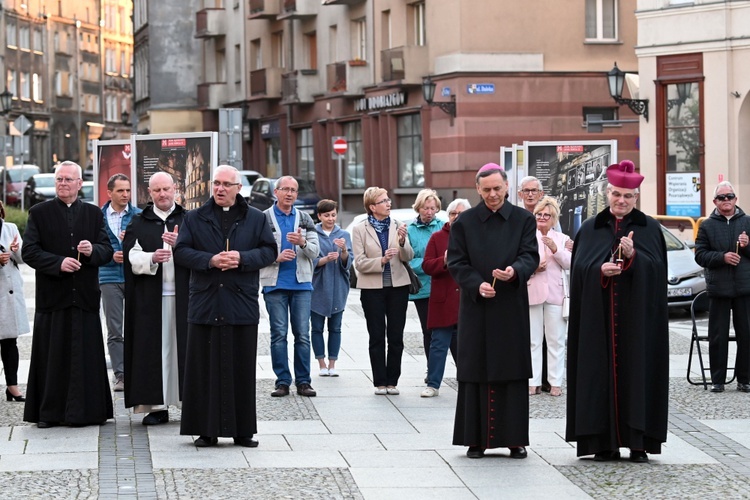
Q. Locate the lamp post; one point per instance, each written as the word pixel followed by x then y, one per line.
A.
pixel 6 102
pixel 615 81
pixel 428 93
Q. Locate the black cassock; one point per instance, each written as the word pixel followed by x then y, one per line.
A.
pixel 494 357
pixel 618 338
pixel 143 311
pixel 68 372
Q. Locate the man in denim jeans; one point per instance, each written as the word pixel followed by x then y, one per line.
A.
pixel 287 288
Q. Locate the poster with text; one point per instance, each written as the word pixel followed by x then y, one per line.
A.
pixel 684 194
pixel 189 158
pixel 110 158
pixel 575 174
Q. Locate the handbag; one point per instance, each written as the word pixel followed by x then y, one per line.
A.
pixel 415 285
pixel 566 296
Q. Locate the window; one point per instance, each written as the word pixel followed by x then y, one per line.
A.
pixel 333 43
pixel 385 18
pixel 237 64
pixel 11 83
pixel 410 166
pixel 58 83
pixel 418 13
pixel 606 113
pixel 25 86
pixel 56 41
pixel 359 31
pixel 23 38
pixel 277 46
pixel 354 169
pixel 683 127
pixel 10 35
pixel 38 41
pixel 601 20
pixel 311 40
pixel 36 87
pixel 221 66
pixel 305 155
pixel 256 56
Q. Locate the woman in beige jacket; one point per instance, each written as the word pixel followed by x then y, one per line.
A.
pixel 381 250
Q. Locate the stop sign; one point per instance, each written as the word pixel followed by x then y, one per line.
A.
pixel 340 146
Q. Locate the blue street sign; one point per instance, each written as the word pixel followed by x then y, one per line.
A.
pixel 480 88
pixel 446 92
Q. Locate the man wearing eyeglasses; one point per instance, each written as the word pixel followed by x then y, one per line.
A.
pixel 66 243
pixel 618 328
pixel 721 248
pixel 530 192
pixel 287 288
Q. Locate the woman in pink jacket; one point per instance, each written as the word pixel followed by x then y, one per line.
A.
pixel 546 298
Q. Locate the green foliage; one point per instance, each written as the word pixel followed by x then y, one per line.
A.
pixel 17 217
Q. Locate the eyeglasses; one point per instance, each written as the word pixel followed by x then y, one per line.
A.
pixel 454 213
pixel 226 185
pixel 541 216
pixel 725 197
pixel 386 201
pixel 530 191
pixel 288 190
pixel 66 180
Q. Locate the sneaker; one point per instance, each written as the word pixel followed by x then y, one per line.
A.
pixel 393 391
pixel 332 372
pixel 119 384
pixel 381 391
pixel 430 392
pixel 324 372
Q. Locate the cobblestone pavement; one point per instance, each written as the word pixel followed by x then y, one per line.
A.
pixel 349 444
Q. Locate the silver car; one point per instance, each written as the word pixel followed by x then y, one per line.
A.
pixel 684 277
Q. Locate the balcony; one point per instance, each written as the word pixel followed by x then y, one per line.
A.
pixel 342 2
pixel 266 83
pixel 298 9
pixel 347 77
pixel 264 9
pixel 212 95
pixel 210 23
pixel 407 64
pixel 300 87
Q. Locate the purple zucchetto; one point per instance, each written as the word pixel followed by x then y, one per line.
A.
pixel 623 175
pixel 490 166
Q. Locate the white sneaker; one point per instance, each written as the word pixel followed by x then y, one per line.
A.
pixel 393 391
pixel 381 391
pixel 430 392
pixel 332 372
pixel 324 372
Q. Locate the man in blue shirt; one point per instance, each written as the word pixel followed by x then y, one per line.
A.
pixel 287 288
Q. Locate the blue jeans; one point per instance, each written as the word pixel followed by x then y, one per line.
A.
pixel 283 305
pixel 317 323
pixel 439 345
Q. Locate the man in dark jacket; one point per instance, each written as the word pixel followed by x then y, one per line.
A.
pixel 156 300
pixel 618 329
pixel 65 242
pixel 492 252
pixel 721 248
pixel 225 243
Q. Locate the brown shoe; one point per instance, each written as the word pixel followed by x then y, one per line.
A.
pixel 281 391
pixel 306 390
pixel 119 384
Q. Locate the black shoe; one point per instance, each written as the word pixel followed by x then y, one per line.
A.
pixel 247 442
pixel 519 452
pixel 546 387
pixel 743 387
pixel 306 390
pixel 717 388
pixel 281 391
pixel 205 442
pixel 606 456
pixel 638 456
pixel 156 417
pixel 475 452
pixel 47 425
pixel 12 397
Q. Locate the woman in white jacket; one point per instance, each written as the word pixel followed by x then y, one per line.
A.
pixel 546 297
pixel 13 319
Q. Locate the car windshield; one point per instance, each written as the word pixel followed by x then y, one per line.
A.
pixel 673 242
pixel 22 174
pixel 306 187
pixel 87 191
pixel 244 181
pixel 44 181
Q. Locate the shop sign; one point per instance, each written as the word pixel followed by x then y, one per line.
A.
pixel 392 100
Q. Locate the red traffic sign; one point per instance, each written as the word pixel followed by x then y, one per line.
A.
pixel 340 146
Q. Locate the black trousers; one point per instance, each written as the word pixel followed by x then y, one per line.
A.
pixel 9 355
pixel 718 337
pixel 385 314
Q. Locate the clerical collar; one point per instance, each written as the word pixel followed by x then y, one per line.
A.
pixel 162 214
pixel 226 209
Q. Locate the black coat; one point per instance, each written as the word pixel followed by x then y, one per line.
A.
pixel 47 241
pixel 143 310
pixel 639 311
pixel 224 297
pixel 716 236
pixel 493 334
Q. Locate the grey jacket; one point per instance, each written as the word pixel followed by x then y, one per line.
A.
pixel 305 256
pixel 716 236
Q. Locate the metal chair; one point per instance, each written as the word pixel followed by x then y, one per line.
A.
pixel 700 303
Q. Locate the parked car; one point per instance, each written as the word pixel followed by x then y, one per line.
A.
pixel 685 278
pixel 250 175
pixel 245 188
pixel 14 180
pixel 41 187
pixel 86 194
pixel 263 197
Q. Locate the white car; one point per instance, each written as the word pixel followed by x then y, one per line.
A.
pixel 685 277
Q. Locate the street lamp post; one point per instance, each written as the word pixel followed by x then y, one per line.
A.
pixel 428 93
pixel 615 81
pixel 6 103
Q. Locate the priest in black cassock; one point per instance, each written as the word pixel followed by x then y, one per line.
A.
pixel 156 302
pixel 225 243
pixel 618 329
pixel 492 253
pixel 65 242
